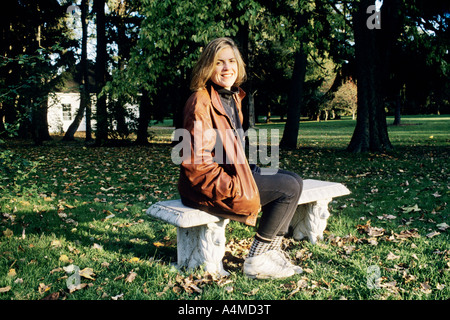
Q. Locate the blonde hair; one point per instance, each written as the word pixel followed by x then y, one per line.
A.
pixel 204 68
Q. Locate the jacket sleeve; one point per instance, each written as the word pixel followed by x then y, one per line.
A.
pixel 204 174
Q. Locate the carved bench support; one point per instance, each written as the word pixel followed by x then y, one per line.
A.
pixel 203 246
pixel 310 220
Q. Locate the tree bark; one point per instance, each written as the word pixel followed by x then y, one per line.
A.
pixel 398 108
pixel 85 69
pixel 100 73
pixel 84 83
pixel 290 133
pixel 144 118
pixel 371 55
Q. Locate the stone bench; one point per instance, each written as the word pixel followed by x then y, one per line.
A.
pixel 201 236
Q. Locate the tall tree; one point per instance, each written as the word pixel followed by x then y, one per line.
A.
pixel 85 100
pixel 290 133
pixel 100 73
pixel 373 48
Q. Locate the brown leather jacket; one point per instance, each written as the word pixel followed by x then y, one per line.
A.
pixel 216 177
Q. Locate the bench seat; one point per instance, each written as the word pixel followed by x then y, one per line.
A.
pixel 201 236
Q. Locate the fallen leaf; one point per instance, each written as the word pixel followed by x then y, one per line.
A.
pixel 308 270
pixel 87 273
pixel 425 288
pixel 344 287
pixel 414 208
pixel 392 256
pixel 228 289
pixel 56 270
pixel 64 258
pixel 119 296
pixel 442 226
pixel 158 244
pixel 119 277
pixel 176 289
pixel 371 231
pixel 440 286
pixel 436 195
pixel 51 296
pixel 97 246
pixel 5 289
pixel 433 234
pixel 55 243
pixel 349 249
pixel 11 273
pixel 391 286
pixel 252 293
pixel 405 234
pixel 131 276
pixel 44 287
pixel 408 277
pixel 8 233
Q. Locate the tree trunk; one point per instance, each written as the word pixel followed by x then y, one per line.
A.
pixel 290 134
pixel 144 118
pixel 39 123
pixel 84 90
pixel 398 113
pixel 100 73
pixel 70 133
pixel 85 70
pixel 371 61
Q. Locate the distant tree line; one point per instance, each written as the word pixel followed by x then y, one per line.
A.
pixel 314 58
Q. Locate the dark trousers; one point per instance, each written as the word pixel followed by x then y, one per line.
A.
pixel 279 194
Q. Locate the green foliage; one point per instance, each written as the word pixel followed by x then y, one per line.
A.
pixel 14 170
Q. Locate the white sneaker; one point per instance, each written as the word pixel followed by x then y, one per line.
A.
pixel 268 265
pixel 285 261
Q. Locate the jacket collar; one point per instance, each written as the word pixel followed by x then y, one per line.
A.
pixel 217 104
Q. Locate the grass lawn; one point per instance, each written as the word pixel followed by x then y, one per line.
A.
pixel 83 208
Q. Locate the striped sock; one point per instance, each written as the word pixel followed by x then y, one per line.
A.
pixel 276 243
pixel 259 247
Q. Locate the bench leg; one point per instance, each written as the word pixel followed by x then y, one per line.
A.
pixel 310 220
pixel 203 246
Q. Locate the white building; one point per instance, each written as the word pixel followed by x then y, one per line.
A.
pixel 63 107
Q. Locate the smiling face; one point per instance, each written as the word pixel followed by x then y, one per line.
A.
pixel 226 68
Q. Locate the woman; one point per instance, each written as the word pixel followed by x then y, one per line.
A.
pixel 216 176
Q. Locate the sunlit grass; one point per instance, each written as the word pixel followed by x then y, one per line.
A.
pixel 86 206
